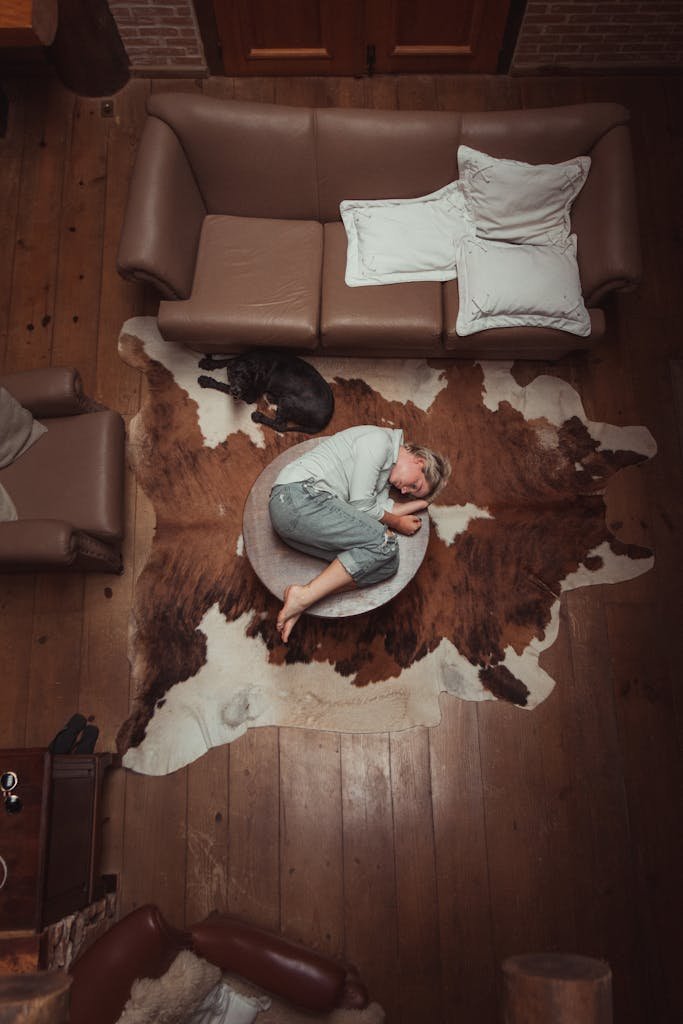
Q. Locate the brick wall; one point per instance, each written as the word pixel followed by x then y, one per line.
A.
pixel 160 36
pixel 595 34
pixel 163 36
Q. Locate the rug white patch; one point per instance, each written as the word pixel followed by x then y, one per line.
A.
pixel 452 520
pixel 555 400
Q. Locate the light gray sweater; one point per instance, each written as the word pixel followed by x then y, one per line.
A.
pixel 354 465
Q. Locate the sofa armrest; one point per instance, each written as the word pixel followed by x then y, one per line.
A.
pixel 302 976
pixel 35 543
pixel 605 220
pixel 164 215
pixel 52 391
pixel 140 945
pixel 40 545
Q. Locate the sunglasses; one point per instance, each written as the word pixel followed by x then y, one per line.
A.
pixel 8 783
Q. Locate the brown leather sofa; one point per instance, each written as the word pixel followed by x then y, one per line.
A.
pixel 68 487
pixel 233 216
pixel 143 945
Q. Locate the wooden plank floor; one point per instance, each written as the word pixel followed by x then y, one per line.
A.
pixel 429 856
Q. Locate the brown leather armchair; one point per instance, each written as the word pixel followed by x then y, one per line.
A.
pixel 143 945
pixel 68 487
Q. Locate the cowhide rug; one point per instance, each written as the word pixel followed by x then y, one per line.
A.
pixel 522 520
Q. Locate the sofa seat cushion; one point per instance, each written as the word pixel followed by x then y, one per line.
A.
pixel 500 342
pixel 399 317
pixel 256 284
pixel 74 472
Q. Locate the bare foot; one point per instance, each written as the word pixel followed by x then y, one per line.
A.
pixel 291 610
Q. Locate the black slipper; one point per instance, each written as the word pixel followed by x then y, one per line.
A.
pixel 87 742
pixel 66 737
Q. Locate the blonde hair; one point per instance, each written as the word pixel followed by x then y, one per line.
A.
pixel 437 468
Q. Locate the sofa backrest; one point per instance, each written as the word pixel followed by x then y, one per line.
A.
pixel 249 159
pixel 270 160
pixel 382 154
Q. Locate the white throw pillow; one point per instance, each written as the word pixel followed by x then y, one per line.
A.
pixel 504 285
pixel 516 202
pixel 223 1005
pixel 396 240
pixel 18 431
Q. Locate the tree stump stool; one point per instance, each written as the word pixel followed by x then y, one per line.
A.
pixel 277 565
pixel 556 988
pixel 41 998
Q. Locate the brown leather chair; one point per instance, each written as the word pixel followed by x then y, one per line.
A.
pixel 68 487
pixel 143 945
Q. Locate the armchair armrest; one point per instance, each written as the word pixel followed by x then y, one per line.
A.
pixel 33 544
pixel 164 215
pixel 140 945
pixel 302 976
pixel 52 391
pixel 605 220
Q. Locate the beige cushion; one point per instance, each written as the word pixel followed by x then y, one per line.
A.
pixel 256 284
pixel 399 317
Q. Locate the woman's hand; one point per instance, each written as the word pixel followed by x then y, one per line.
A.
pixel 407 525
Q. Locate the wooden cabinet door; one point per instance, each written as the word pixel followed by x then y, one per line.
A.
pixel 436 36
pixel 290 37
pixel 352 37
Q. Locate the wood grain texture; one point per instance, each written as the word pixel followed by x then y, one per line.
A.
pixel 48 113
pixel 207 834
pixel 462 878
pixel 369 868
pixel 311 849
pixel 11 153
pixel 418 961
pixel 253 878
pixel 80 241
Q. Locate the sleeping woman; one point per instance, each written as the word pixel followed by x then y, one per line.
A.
pixel 333 502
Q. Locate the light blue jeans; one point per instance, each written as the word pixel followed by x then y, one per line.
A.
pixel 320 524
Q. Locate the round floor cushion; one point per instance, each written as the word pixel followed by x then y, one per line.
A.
pixel 277 565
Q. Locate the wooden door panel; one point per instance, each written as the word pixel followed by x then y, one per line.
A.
pixel 435 36
pixel 297 37
pixel 329 37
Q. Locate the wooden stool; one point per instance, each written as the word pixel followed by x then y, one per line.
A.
pixel 556 988
pixel 41 998
pixel 277 565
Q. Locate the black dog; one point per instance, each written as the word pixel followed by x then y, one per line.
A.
pixel 303 398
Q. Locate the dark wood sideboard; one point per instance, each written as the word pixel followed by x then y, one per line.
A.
pixel 50 849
